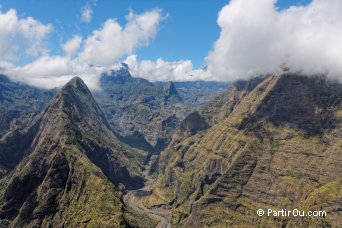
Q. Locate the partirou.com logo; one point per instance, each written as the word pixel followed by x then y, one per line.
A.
pixel 288 213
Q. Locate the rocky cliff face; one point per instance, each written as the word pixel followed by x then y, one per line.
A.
pixel 67 172
pixel 136 109
pixel 215 110
pixel 278 146
pixel 146 114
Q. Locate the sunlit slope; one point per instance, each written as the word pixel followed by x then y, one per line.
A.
pixel 279 148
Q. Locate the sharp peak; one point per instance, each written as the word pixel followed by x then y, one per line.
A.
pixel 170 88
pixel 76 83
pixel 169 84
pixel 122 71
pixel 75 95
pixel 125 66
pixel 75 79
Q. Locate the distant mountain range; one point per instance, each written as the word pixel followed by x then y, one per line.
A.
pixel 145 114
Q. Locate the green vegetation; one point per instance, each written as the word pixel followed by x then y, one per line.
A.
pixel 263 154
pixel 69 177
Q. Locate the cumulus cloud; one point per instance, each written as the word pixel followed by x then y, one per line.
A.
pixel 161 70
pixel 21 35
pixel 100 52
pixel 257 38
pixel 54 71
pixel 112 41
pixel 72 45
pixel 46 71
pixel 87 13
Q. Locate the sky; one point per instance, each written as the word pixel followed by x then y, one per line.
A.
pixel 45 42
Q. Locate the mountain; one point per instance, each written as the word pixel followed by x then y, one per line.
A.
pixel 145 114
pixel 199 91
pixel 196 93
pixel 121 76
pixel 171 89
pixel 215 110
pixel 276 144
pixel 171 94
pixel 68 168
pixel 135 108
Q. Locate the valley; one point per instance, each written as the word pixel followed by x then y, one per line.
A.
pixel 67 147
pixel 134 200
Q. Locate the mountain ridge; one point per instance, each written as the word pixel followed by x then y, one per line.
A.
pixel 258 157
pixel 73 152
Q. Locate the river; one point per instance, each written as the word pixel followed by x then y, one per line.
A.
pixel 133 200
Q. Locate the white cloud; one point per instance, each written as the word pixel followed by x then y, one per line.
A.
pixel 72 45
pixel 112 41
pixel 45 71
pixel 100 52
pixel 21 35
pixel 87 13
pixel 54 71
pixel 161 70
pixel 256 38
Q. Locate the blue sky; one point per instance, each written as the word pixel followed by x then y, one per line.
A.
pixel 45 43
pixel 188 32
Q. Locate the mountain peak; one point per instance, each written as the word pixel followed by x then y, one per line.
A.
pixel 123 71
pixel 124 66
pixel 76 81
pixel 121 76
pixel 78 84
pixel 171 93
pixel 116 76
pixel 171 89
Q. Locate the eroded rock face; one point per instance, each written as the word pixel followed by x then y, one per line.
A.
pixel 139 110
pixel 69 168
pixel 214 111
pixel 279 147
pixel 307 104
